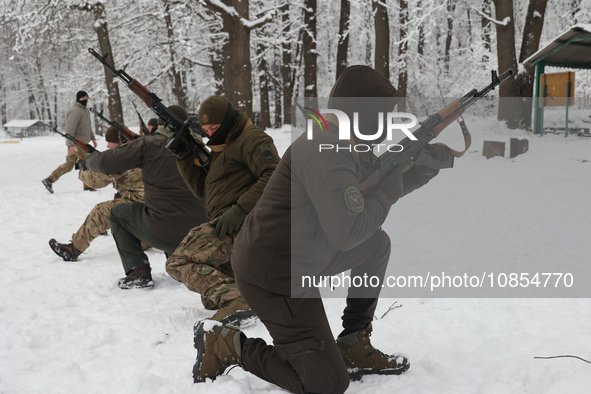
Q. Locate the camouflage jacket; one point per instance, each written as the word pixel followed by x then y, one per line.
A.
pixel 129 184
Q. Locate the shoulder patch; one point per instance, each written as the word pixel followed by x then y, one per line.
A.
pixel 267 153
pixel 354 199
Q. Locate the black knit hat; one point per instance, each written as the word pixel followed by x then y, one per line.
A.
pixel 112 135
pixel 81 94
pixel 153 122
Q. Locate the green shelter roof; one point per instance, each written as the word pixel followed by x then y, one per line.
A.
pixel 570 49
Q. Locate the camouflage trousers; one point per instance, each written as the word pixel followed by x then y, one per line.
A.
pixel 202 263
pixel 64 168
pixel 96 223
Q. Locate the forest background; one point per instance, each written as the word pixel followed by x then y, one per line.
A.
pixel 264 54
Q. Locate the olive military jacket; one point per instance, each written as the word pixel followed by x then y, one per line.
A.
pixel 312 209
pixel 237 174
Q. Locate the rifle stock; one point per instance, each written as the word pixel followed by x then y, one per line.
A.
pixel 428 130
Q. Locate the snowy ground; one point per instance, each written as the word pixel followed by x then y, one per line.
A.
pixel 65 327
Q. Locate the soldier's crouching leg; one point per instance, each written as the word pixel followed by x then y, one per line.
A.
pixel 125 219
pixel 202 263
pixel 305 358
pixel 95 224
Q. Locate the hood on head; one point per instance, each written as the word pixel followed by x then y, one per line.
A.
pixel 363 90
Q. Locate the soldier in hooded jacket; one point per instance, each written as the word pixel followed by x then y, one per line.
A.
pixel 313 220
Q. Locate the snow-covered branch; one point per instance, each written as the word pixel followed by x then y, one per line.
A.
pixel 218 6
pixel 504 22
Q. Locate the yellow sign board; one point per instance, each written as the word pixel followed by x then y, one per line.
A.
pixel 556 88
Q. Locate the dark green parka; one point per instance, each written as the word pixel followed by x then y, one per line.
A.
pixel 237 174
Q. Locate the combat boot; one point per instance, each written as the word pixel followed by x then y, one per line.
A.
pixel 137 278
pixel 48 184
pixel 235 313
pixel 218 347
pixel 361 358
pixel 68 252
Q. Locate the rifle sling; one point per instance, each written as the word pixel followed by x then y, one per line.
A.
pixel 467 139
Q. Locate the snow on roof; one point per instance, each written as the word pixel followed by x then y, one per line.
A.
pixel 570 48
pixel 21 123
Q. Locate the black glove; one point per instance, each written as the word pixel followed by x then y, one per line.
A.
pixel 80 165
pixel 439 152
pixel 391 187
pixel 416 177
pixel 230 221
pixel 436 156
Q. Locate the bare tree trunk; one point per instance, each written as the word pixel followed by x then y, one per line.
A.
pixel 237 66
pixel 217 60
pixel 309 48
pixel 469 21
pixel 32 104
pixel 264 90
pixel 277 91
pixel 55 111
pixel 402 51
pixel 507 58
pixel 451 6
pixel 343 40
pixel 421 43
pixel 4 118
pixel 46 104
pixel 98 130
pixel 178 90
pixel 485 24
pixel 100 26
pixel 532 32
pixel 287 66
pixel 382 34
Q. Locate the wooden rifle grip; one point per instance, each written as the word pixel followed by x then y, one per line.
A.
pixel 448 115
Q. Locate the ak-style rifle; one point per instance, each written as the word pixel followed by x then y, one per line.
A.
pixel 123 130
pixel 77 141
pixel 179 127
pixel 143 126
pixel 412 150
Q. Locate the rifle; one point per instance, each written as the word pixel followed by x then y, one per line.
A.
pixel 181 128
pixel 123 130
pixel 143 126
pixel 78 142
pixel 413 150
